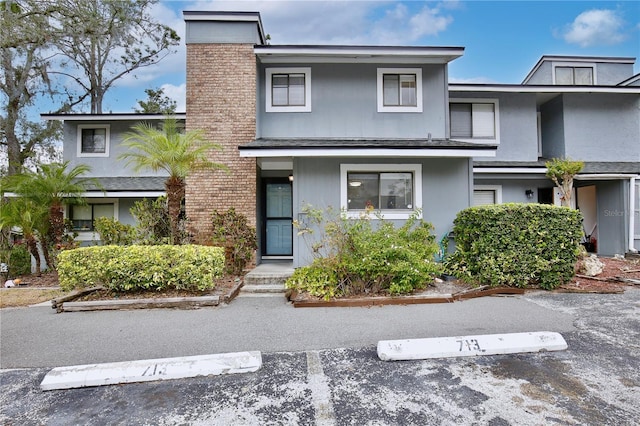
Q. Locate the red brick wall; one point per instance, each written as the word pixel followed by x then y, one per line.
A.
pixel 221 100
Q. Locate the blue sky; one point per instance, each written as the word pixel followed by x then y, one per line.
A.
pixel 503 39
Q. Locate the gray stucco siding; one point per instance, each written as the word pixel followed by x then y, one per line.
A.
pixel 602 127
pixel 611 74
pixel 344 105
pixel 446 186
pixel 102 166
pixel 221 32
pixel 613 217
pixel 552 118
pixel 513 187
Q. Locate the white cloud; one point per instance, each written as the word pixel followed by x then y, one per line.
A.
pixel 178 94
pixel 595 27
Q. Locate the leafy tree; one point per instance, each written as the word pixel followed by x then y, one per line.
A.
pixel 157 103
pixel 562 171
pixel 177 153
pixel 112 38
pixel 27 33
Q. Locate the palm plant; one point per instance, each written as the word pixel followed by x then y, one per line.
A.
pixel 176 152
pixel 28 216
pixel 54 185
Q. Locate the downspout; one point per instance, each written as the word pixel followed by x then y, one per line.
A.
pixel 632 204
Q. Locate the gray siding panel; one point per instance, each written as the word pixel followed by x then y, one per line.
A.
pixel 612 219
pixel 344 105
pixel 602 127
pixel 102 166
pixel 221 32
pixel 552 128
pixel 445 191
pixel 612 74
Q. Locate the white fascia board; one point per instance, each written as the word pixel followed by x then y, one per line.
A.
pixel 110 117
pixel 541 89
pixel 359 152
pixel 606 176
pixel 271 55
pixel 507 170
pixel 123 194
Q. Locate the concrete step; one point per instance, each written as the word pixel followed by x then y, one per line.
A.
pixel 264 288
pixel 266 278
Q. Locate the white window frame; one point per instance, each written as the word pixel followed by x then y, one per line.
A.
pixel 401 108
pixel 496 117
pixel 497 189
pixel 107 141
pixel 269 72
pixel 636 211
pixel 591 65
pixel 93 235
pixel 416 169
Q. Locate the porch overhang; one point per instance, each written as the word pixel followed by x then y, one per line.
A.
pixel 396 148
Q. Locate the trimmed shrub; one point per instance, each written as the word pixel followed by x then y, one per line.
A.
pixel 19 260
pixel 361 255
pixel 516 245
pixel 132 268
pixel 232 231
pixel 112 232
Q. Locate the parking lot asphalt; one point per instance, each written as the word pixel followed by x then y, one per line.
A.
pixel 320 365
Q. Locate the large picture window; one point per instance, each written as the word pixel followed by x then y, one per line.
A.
pixel 93 140
pixel 82 217
pixel 399 90
pixel 393 189
pixel 288 90
pixel 474 120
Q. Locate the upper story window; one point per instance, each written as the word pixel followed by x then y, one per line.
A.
pixel 288 90
pixel 574 76
pixel 474 119
pixel 393 189
pixel 93 140
pixel 399 90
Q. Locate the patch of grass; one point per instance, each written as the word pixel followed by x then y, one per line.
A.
pixel 15 297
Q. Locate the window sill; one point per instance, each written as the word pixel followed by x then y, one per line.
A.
pixel 386 214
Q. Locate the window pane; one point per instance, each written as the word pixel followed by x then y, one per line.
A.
pixel 279 96
pixel 94 140
pixel 408 90
pixel 584 76
pixel 564 75
pixel 81 218
pixel 296 89
pixel 102 210
pixel 460 120
pixel 482 197
pixel 362 191
pixel 396 191
pixel 390 85
pixel 483 118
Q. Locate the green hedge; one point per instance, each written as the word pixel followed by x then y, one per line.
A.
pixel 131 268
pixel 517 245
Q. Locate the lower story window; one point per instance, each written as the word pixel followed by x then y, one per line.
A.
pixel 82 217
pixel 393 189
pixel 487 194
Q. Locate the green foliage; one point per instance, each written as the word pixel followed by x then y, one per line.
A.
pixel 517 245
pixel 157 103
pixel 361 255
pixel 153 224
pixel 132 268
pixel 113 232
pixel 19 261
pixel 562 171
pixel 232 231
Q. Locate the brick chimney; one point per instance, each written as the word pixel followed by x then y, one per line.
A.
pixel 221 100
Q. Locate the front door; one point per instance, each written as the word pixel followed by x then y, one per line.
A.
pixel 278 229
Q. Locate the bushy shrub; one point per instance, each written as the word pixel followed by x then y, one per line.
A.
pixel 131 268
pixel 363 255
pixel 517 245
pixel 232 231
pixel 19 260
pixel 112 232
pixel 153 223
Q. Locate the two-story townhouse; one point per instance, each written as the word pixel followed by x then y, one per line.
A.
pixel 340 126
pixel 96 141
pixel 357 126
pixel 583 108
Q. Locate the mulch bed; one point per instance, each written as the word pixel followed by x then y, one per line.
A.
pixel 613 268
